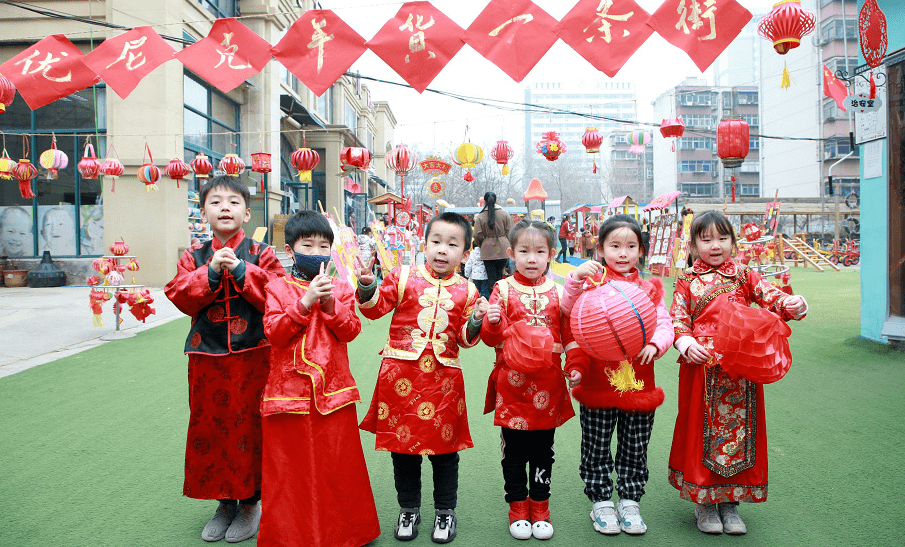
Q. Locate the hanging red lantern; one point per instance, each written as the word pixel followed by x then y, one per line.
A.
pixel 550 146
pixel 7 92
pixel 202 167
pixel 89 166
pixel 176 170
pixel 355 158
pixel 305 160
pixel 25 171
pixel 232 165
pixel 402 161
pixel 260 162
pixel 7 166
pixel 591 141
pixel 112 167
pixel 672 128
pixel 786 25
pixel 148 173
pixel 53 159
pixel 874 40
pixel 502 153
pixel 732 140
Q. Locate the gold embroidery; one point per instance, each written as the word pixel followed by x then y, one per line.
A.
pixel 403 387
pixel 426 410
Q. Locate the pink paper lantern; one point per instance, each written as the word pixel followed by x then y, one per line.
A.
pixel 613 321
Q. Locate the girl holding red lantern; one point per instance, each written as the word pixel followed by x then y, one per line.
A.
pixel 609 391
pixel 526 390
pixel 719 447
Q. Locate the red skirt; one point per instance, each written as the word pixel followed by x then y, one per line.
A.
pixel 223 446
pixel 316 488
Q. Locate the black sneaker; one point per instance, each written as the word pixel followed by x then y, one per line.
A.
pixel 444 526
pixel 407 526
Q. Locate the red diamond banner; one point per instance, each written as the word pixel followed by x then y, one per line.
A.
pixel 417 43
pixel 124 60
pixel 230 54
pixel 700 28
pixel 513 35
pixel 606 33
pixel 318 48
pixel 49 70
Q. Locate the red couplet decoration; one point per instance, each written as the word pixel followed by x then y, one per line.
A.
pixel 732 140
pixel 305 160
pixel 613 321
pixel 176 170
pixel 89 166
pixel 124 60
pixel 355 158
pixel 202 167
pixel 528 349
pixel 753 342
pixel 25 171
pixel 786 24
pixel 7 92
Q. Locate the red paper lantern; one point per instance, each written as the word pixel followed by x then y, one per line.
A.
pixel 176 170
pixel 101 265
pixel 89 166
pixel 7 92
pixel 93 280
pixel 133 265
pixel 260 162
pixel 528 349
pixel 112 168
pixel 786 24
pixel 202 167
pixel 25 171
pixel 502 153
pixel 305 160
pixel 753 342
pixel 613 321
pixel 232 165
pixel 355 158
pixel 592 140
pixel 119 248
pixel 672 128
pixel 550 146
pixel 732 140
pixel 148 173
pixel 402 161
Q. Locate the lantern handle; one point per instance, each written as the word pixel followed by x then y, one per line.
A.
pixel 25 148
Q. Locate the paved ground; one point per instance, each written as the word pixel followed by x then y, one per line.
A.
pixel 38 326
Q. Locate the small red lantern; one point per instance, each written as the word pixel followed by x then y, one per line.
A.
pixel 176 170
pixel 133 265
pixel 786 24
pixel 232 164
pixel 148 173
pixel 260 162
pixel 672 128
pixel 202 167
pixel 89 166
pixel 355 158
pixel 93 280
pixel 25 171
pixel 7 92
pixel 502 153
pixel 753 343
pixel 119 248
pixel 592 140
pixel 305 160
pixel 732 140
pixel 112 168
pixel 550 146
pixel 468 177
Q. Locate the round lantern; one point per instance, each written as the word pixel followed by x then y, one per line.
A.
pixel 260 162
pixel 25 171
pixel 7 165
pixel 672 128
pixel 93 280
pixel 786 24
pixel 112 168
pixel 133 265
pixel 550 146
pixel 528 348
pixel 176 170
pixel 592 140
pixel 435 187
pixel 467 156
pixel 401 161
pixel 751 231
pixel 613 321
pixel 753 342
pixel 354 158
pixel 232 165
pixel 119 248
pixel 202 167
pixel 501 154
pixel 101 265
pixel 53 160
pixel 638 139
pixel 305 160
pixel 149 174
pixel 89 166
pixel 7 92
pixel 732 140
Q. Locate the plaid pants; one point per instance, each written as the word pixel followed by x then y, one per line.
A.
pixel 634 428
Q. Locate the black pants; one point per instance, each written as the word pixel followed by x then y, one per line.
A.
pixel 562 250
pixel 407 474
pixel 495 270
pixel 531 448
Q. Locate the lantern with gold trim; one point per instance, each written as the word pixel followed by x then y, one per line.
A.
pixel 260 163
pixel 53 159
pixel 467 156
pixel 305 160
pixel 591 141
pixel 785 25
pixel 354 158
pixel 7 166
pixel 402 161
pixel 732 141
pixel 25 172
pixel 501 154
pixel 232 165
pixel 202 166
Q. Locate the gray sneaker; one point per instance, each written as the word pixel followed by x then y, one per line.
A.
pixel 732 523
pixel 407 525
pixel 444 526
pixel 708 516
pixel 215 529
pixel 245 525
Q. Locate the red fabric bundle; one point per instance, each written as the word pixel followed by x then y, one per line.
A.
pixel 528 348
pixel 754 343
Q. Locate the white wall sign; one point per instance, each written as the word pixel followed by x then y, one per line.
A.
pixel 869 124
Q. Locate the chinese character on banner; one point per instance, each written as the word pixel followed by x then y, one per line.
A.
pixel 49 70
pixel 229 54
pixel 700 28
pixel 513 35
pixel 318 48
pixel 417 43
pixel 605 32
pixel 124 60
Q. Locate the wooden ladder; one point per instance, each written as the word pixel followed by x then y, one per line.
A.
pixel 808 254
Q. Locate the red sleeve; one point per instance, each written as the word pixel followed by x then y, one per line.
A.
pixel 258 275
pixel 681 309
pixel 344 322
pixel 385 297
pixel 767 295
pixel 462 337
pixel 190 290
pixel 577 359
pixel 282 316
pixel 490 333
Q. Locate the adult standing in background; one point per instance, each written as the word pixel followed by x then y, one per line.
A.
pixel 564 230
pixel 491 234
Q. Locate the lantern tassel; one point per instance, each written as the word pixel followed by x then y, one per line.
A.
pixel 672 147
pixel 594 168
pixel 505 169
pixel 262 183
pixel 623 378
pixel 873 86
pixel 113 186
pixel 25 189
pixel 733 192
pixel 786 77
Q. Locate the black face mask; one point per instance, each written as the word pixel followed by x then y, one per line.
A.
pixel 308 266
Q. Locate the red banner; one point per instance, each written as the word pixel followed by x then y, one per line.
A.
pixel 124 60
pixel 230 54
pixel 49 70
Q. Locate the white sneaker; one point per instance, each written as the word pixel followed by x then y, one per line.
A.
pixel 605 519
pixel 732 523
pixel 630 517
pixel 708 517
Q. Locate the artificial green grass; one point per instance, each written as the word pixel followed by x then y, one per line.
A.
pixel 93 445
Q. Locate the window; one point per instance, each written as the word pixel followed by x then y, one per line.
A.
pixel 696 143
pixel 831 112
pixel 221 8
pixel 697 188
pixel 324 105
pixel 754 143
pixel 837 148
pixel 832 30
pixel 842 186
pixel 687 166
pixel 747 97
pixel 745 190
pixel 210 121
pixel 351 117
pixel 751 119
pixel 698 120
pixel 838 64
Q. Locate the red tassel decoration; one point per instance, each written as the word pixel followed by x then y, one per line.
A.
pixel 733 189
pixel 262 183
pixel 594 170
pixel 873 86
pixel 468 176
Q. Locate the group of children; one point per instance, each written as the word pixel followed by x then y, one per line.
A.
pixel 272 397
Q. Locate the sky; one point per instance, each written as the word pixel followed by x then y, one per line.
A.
pixel 433 122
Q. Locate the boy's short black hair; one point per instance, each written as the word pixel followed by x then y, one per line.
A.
pixel 306 224
pixel 451 218
pixel 228 182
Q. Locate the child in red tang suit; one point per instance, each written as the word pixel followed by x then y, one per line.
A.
pixel 526 390
pixel 618 393
pixel 314 467
pixel 221 285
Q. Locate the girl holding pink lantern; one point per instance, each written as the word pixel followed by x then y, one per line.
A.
pixel 620 325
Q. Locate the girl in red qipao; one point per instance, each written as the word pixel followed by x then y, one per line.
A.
pixel 221 285
pixel 418 407
pixel 618 394
pixel 526 390
pixel 719 448
pixel 314 466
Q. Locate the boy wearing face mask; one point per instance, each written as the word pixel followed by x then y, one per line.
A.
pixel 220 284
pixel 308 408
